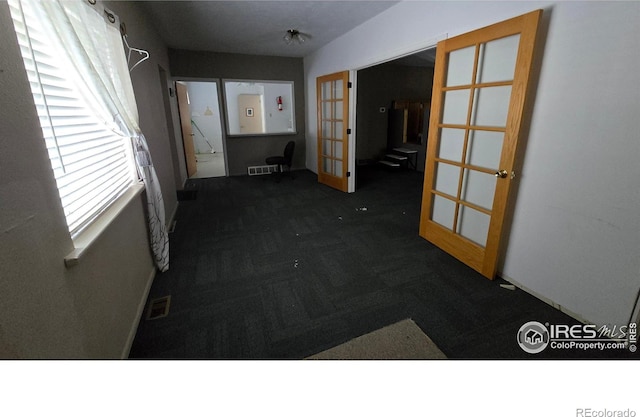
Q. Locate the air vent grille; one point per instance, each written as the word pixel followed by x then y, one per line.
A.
pixel 158 308
pixel 262 169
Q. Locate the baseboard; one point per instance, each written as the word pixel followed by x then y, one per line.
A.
pixel 545 299
pixel 136 322
pixel 143 301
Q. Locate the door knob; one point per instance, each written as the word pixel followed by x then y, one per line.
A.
pixel 501 174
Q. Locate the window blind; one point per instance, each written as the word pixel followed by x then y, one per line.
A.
pixel 92 164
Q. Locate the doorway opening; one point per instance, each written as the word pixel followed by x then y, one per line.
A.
pixel 392 107
pixel 202 131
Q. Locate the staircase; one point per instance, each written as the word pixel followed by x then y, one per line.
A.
pixel 400 158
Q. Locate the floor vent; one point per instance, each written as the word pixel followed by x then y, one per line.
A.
pixel 262 169
pixel 159 308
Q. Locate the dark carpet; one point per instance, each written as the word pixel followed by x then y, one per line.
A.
pixel 263 269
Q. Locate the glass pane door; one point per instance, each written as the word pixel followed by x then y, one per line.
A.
pixel 332 129
pixel 474 117
pixel 474 129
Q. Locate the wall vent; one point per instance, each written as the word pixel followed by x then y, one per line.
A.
pixel 158 308
pixel 262 169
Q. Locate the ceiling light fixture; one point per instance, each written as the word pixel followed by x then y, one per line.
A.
pixel 294 34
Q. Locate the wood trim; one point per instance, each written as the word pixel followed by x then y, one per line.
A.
pixel 340 183
pixel 497 30
pixel 433 139
pixel 468 166
pixel 529 25
pixel 477 85
pixel 457 246
pixel 483 260
pixel 473 127
pixel 187 132
pixel 461 202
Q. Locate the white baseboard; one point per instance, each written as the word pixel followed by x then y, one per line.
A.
pixel 136 322
pixel 545 299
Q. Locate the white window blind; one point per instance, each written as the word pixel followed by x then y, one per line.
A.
pixel 92 164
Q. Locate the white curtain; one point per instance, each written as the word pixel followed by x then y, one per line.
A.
pixel 89 35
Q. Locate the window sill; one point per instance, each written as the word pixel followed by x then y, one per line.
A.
pixel 90 235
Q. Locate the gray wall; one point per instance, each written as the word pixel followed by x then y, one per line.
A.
pixel 90 310
pixel 248 150
pixel 378 86
pixel 147 85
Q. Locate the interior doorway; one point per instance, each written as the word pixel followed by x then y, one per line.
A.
pixel 201 120
pixel 393 106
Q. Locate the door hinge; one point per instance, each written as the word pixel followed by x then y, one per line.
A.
pixel 349 85
pixel 348 131
pixel 348 174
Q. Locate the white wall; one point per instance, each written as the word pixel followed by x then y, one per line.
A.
pixel 575 236
pixel 204 98
pixel 92 309
pixel 576 233
pixel 232 91
pixel 279 120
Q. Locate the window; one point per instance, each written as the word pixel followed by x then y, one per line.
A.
pixel 259 107
pixel 92 163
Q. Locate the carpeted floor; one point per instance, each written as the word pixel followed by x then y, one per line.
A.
pixel 261 269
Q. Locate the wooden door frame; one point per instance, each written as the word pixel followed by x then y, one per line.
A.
pixel 222 116
pixel 351 179
pixel 188 145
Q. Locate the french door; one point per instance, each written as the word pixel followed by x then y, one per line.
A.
pixel 479 91
pixel 333 140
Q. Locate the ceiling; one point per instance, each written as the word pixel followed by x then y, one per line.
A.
pixel 257 27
